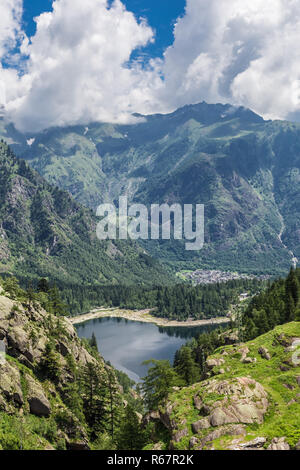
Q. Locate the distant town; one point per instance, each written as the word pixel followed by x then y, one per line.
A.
pixel 202 276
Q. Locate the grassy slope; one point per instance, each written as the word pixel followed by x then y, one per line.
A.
pixel 282 419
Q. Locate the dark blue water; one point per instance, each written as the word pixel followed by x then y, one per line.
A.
pixel 126 344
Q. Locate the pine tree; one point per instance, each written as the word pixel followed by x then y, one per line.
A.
pixel 290 307
pixel 93 342
pixel 43 285
pixel 94 396
pixel 186 367
pixel 50 367
pixel 159 381
pixel 131 435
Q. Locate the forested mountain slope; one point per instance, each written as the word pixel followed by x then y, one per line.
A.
pixel 244 169
pixel 45 233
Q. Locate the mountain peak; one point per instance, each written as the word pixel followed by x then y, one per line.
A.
pixel 211 113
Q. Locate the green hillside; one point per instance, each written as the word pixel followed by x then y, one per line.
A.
pixel 246 397
pixel 45 233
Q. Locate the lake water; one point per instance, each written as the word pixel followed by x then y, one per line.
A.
pixel 126 344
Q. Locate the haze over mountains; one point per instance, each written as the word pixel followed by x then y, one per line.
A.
pixel 244 169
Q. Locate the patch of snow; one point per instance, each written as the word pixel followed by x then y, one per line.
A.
pixel 30 142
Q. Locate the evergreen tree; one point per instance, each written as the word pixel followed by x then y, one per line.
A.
pixel 43 285
pixel 93 342
pixel 57 306
pixel 50 367
pixel 94 396
pixel 159 381
pixel 186 366
pixel 130 436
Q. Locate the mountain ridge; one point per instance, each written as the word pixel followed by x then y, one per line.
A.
pixel 244 169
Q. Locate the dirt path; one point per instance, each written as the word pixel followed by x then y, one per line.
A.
pixel 142 316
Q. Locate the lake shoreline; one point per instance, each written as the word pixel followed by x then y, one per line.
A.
pixel 143 316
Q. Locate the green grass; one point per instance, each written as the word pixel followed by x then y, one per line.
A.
pixel 282 418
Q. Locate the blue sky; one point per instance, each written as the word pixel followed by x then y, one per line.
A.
pixel 161 16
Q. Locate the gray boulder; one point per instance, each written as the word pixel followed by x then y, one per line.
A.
pixel 279 443
pixel 39 405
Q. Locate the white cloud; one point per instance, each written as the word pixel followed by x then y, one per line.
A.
pixel 77 69
pixel 10 18
pixel 10 35
pixel 240 51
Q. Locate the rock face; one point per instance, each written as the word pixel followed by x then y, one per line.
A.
pixel 12 395
pixel 224 406
pixel 38 403
pixel 241 400
pixel 279 443
pixel 25 331
pixel 10 386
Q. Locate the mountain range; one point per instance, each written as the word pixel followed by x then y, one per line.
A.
pixel 245 170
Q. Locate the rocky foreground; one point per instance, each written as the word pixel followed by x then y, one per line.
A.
pixel 31 408
pixel 250 400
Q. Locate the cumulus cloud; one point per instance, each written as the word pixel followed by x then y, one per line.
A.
pixel 239 51
pixel 10 35
pixel 10 20
pixel 77 68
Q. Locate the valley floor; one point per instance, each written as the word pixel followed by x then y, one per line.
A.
pixel 143 316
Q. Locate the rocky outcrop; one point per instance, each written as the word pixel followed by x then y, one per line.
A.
pixel 77 445
pixel 220 411
pixel 224 406
pixel 233 430
pixel 10 386
pixel 38 403
pixel 264 353
pixel 13 396
pixel 200 425
pixel 180 434
pixel 245 359
pixel 150 417
pixel 256 444
pixel 279 443
pixel 241 400
pixel 26 331
pixel 211 363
